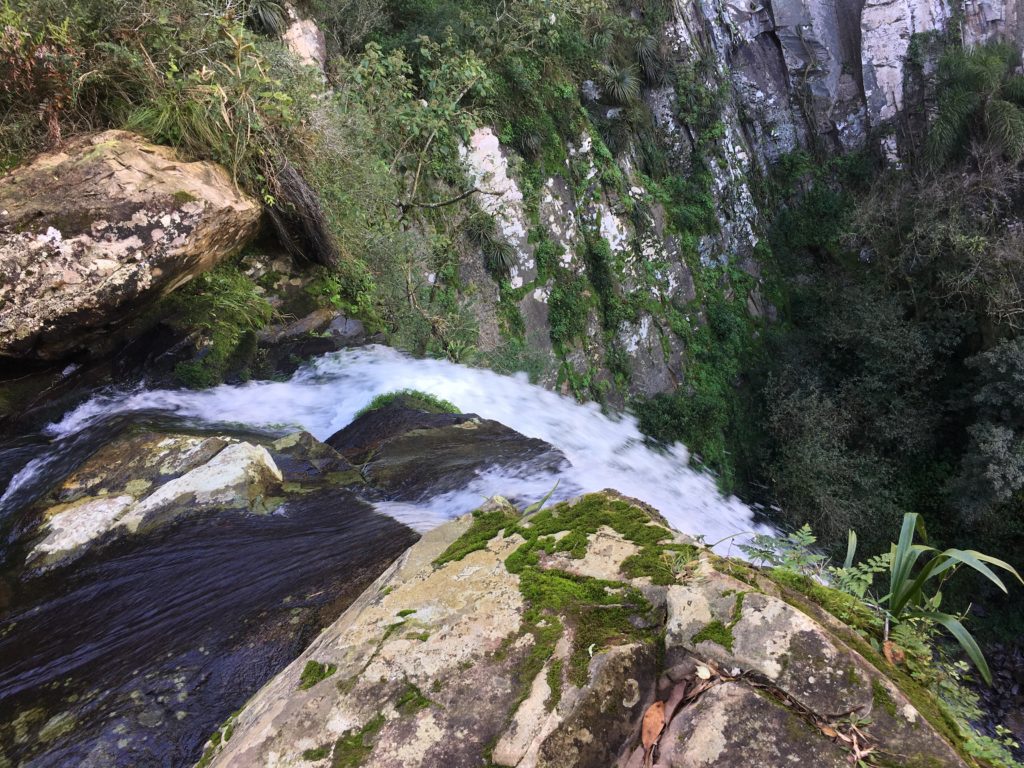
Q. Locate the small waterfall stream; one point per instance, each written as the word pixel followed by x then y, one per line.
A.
pixel 131 657
pixel 604 451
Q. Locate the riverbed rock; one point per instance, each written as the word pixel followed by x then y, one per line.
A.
pixel 92 233
pixel 410 453
pixel 146 479
pixel 533 641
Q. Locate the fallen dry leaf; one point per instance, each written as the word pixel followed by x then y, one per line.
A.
pixel 893 653
pixel 828 731
pixel 703 672
pixel 654 723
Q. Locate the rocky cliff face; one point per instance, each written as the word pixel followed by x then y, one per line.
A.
pixel 760 80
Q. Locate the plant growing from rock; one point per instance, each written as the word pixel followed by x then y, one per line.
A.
pixel 980 99
pixel 919 595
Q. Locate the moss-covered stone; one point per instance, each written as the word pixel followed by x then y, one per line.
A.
pixel 314 672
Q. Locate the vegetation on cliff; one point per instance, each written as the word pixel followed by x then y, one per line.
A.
pixel 891 382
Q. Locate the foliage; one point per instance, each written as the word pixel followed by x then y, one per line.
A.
pixel 621 83
pixel 905 646
pixel 410 398
pixel 792 552
pixel 981 98
pixel 710 412
pixel 914 596
pixel 225 306
pixel 567 310
pixel 267 16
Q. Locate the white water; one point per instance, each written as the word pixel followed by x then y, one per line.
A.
pixel 323 397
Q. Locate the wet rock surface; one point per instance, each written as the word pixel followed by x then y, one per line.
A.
pixel 409 453
pixel 166 577
pixel 482 646
pixel 173 570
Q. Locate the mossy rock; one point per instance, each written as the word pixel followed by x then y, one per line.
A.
pixel 507 640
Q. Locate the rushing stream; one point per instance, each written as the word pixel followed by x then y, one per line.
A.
pixel 143 650
pixel 604 451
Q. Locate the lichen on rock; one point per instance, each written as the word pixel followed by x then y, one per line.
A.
pixel 519 641
pixel 92 232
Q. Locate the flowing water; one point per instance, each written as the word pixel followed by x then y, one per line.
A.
pixel 134 654
pixel 603 451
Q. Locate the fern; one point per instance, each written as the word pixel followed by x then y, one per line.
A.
pixel 981 99
pixel 1004 123
pixel 793 552
pixel 857 579
pixel 1013 90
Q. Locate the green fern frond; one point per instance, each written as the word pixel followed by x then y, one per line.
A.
pixel 1004 123
pixel 1013 90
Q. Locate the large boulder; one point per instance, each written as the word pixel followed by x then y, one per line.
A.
pixel 411 454
pixel 145 479
pixel 93 232
pixel 547 641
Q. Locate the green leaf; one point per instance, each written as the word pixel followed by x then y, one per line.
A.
pixel 851 549
pixel 965 638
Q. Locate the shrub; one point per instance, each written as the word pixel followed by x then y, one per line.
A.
pixel 410 398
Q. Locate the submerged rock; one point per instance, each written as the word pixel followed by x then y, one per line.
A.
pixel 160 592
pixel 92 233
pixel 143 480
pixel 504 640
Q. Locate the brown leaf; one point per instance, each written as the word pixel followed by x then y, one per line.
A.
pixel 829 731
pixel 654 723
pixel 893 653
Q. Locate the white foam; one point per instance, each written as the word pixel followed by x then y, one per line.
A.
pixel 605 451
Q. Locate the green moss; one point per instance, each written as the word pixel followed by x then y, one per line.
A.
pixel 882 698
pixel 658 563
pixel 554 678
pixel 715 632
pixel 719 632
pixel 485 526
pixel 411 700
pixel 314 672
pixel 410 398
pixel 181 197
pixel 737 608
pixel 319 753
pixel 844 607
pixel 218 737
pixel 352 749
pixel 599 612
